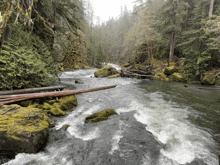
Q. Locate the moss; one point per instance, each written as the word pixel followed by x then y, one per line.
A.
pixel 114 76
pixel 25 103
pixel 177 77
pixel 76 67
pixel 208 78
pixel 22 122
pixel 51 101
pixel 170 70
pixel 104 72
pixel 56 110
pixel 160 76
pixel 65 127
pixel 126 64
pixel 68 102
pixel 100 116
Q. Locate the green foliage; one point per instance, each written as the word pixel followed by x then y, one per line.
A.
pixel 20 67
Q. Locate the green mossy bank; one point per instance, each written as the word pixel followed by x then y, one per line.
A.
pixel 176 71
pixel 26 129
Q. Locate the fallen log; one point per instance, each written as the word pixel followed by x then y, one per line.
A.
pixel 130 74
pixel 31 90
pixel 15 98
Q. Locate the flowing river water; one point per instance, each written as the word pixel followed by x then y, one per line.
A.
pixel 158 123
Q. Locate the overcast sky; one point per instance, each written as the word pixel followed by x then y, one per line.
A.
pixel 110 8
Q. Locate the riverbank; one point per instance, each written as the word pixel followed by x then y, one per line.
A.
pixel 176 71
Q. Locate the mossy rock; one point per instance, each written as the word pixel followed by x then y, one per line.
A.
pixel 105 72
pixel 160 76
pixel 76 67
pixel 170 70
pixel 23 129
pixel 65 127
pixel 177 77
pixel 68 102
pixel 126 64
pixel 114 76
pixel 100 116
pixel 208 79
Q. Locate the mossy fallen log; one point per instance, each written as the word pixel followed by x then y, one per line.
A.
pixel 7 99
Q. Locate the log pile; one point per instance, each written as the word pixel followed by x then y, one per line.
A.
pixel 7 99
pixel 145 72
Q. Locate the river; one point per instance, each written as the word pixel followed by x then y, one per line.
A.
pixel 158 123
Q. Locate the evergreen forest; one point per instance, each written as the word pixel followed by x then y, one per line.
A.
pixel 41 38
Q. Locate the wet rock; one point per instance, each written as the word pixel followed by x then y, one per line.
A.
pixel 22 129
pixel 100 116
pixel 208 79
pixel 106 71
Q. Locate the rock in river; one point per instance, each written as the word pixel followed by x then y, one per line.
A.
pixel 100 116
pixel 22 129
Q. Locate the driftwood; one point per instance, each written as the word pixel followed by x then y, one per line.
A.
pixel 7 99
pixel 31 90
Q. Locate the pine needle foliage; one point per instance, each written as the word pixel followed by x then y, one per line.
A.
pixel 20 67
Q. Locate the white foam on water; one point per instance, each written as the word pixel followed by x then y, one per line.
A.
pixel 183 141
pixel 86 73
pixel 117 67
pixel 116 138
pixel 76 122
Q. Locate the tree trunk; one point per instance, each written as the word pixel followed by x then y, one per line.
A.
pixel 31 90
pixel 7 35
pixel 7 99
pixel 211 8
pixel 172 46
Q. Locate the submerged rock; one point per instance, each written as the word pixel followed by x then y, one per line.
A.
pixel 23 129
pixel 106 71
pixel 100 116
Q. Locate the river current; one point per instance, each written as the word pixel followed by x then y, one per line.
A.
pixel 158 123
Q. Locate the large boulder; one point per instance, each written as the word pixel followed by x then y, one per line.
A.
pixel 106 71
pixel 100 116
pixel 22 129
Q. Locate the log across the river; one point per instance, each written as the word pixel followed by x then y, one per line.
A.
pixel 31 90
pixel 7 99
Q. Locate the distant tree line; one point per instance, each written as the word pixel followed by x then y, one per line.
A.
pixel 165 30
